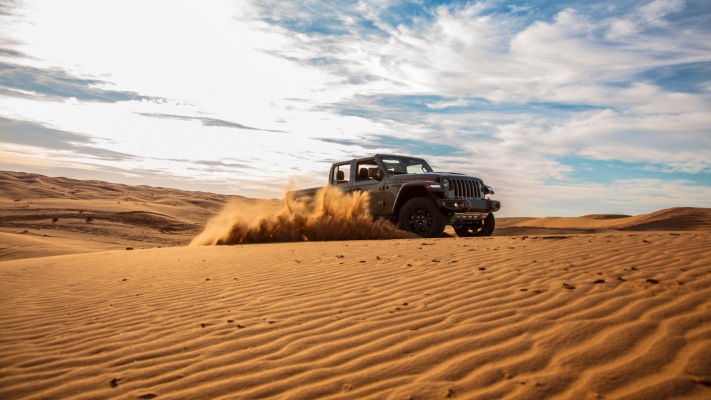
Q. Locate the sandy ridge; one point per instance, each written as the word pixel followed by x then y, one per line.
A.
pixel 623 315
pixel 102 215
pixel 671 219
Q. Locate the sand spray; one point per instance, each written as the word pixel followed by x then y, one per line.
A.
pixel 332 215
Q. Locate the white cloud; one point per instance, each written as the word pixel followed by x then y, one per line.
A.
pixel 654 12
pixel 634 196
pixel 512 94
pixel 656 138
pixel 446 104
pixel 620 29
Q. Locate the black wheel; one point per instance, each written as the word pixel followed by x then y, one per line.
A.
pixel 421 216
pixel 481 228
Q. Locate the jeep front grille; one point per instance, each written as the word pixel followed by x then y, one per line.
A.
pixel 467 188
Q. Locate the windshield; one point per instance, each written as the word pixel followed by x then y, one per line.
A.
pixel 406 165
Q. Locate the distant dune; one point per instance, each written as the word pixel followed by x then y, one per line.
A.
pixel 672 219
pixel 593 307
pixel 40 215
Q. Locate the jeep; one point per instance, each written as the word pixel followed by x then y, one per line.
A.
pixel 408 192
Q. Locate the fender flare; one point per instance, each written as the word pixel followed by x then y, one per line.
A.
pixel 409 190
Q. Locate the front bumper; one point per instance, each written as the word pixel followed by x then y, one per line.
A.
pixel 469 205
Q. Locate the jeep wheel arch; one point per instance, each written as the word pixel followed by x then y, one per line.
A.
pixel 407 193
pixel 421 216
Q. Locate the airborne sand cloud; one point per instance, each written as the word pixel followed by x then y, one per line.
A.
pixel 333 215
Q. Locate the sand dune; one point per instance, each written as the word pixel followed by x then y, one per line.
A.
pixel 595 307
pixel 66 216
pixel 625 315
pixel 672 219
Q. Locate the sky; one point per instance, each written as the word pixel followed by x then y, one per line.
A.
pixel 565 108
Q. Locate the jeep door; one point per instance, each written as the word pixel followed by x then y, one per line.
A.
pixel 340 177
pixel 367 178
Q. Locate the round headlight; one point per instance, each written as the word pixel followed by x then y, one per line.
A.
pixel 445 184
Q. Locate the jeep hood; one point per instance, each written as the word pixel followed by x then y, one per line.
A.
pixel 430 176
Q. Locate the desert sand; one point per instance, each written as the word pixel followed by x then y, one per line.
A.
pixel 42 216
pixel 593 307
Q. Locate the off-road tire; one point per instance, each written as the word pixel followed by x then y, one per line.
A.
pixel 483 228
pixel 421 216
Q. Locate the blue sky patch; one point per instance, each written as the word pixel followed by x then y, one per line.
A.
pixel 607 171
pixel 56 84
pixel 400 145
pixel 432 104
pixel 410 146
pixel 687 78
